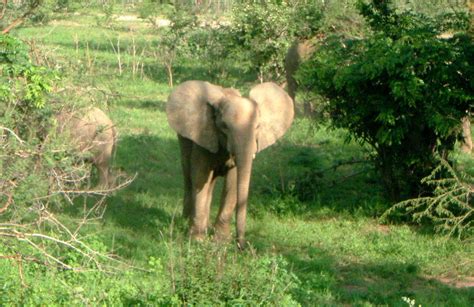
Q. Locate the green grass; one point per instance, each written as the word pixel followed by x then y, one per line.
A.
pixel 314 234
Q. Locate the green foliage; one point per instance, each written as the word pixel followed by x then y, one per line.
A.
pixel 39 168
pixel 23 88
pixel 451 206
pixel 262 31
pixel 173 41
pixel 210 275
pixel 306 19
pixel 152 9
pixel 31 284
pixel 403 90
pixel 261 35
pixel 107 10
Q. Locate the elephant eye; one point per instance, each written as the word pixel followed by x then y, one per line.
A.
pixel 222 125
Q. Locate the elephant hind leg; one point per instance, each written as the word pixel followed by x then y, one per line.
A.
pixel 186 148
pixel 104 173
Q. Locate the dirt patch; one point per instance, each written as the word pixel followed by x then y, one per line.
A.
pixel 159 22
pixel 127 18
pixel 465 282
pixel 382 229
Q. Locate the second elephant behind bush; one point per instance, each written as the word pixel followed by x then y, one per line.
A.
pixel 92 132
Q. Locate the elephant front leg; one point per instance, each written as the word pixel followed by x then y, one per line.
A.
pixel 202 182
pixel 228 203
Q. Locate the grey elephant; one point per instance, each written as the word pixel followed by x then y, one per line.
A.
pixel 91 131
pixel 466 144
pixel 299 51
pixel 219 133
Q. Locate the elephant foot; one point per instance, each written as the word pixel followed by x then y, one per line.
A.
pixel 222 235
pixel 241 243
pixel 197 235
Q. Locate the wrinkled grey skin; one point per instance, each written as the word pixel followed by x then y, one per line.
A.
pixel 91 131
pixel 299 52
pixel 219 133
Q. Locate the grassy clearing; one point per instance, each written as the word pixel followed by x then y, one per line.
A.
pixel 313 228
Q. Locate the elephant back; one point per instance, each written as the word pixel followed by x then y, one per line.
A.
pixel 89 129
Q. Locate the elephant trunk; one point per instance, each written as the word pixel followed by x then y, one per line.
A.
pixel 244 160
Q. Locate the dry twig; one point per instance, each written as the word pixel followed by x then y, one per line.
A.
pixel 4 8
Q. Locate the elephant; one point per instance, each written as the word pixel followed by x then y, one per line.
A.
pixel 219 133
pixel 466 144
pixel 91 131
pixel 300 51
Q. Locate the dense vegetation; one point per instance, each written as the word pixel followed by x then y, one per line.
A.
pixel 315 237
pixel 404 89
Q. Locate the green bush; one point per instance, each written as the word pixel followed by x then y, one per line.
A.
pixel 40 170
pixel 261 34
pixel 210 274
pixel 403 90
pixel 174 39
pixel 30 283
pixel 450 208
pixel 306 19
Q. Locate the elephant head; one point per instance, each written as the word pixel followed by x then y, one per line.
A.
pixel 219 119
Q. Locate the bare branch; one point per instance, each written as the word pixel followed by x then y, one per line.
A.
pixel 102 192
pixel 13 133
pixel 7 204
pixel 21 19
pixel 4 8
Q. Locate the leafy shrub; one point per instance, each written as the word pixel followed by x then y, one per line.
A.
pixel 403 90
pixel 261 35
pixel 173 42
pixel 151 10
pixel 107 9
pixel 210 275
pixel 451 206
pixel 32 284
pixel 307 19
pixel 40 170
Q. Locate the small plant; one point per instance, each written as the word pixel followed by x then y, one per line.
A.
pixel 409 301
pixel 173 41
pixel 107 9
pixel 450 208
pixel 210 274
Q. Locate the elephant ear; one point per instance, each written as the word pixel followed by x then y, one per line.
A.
pixel 190 111
pixel 276 112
